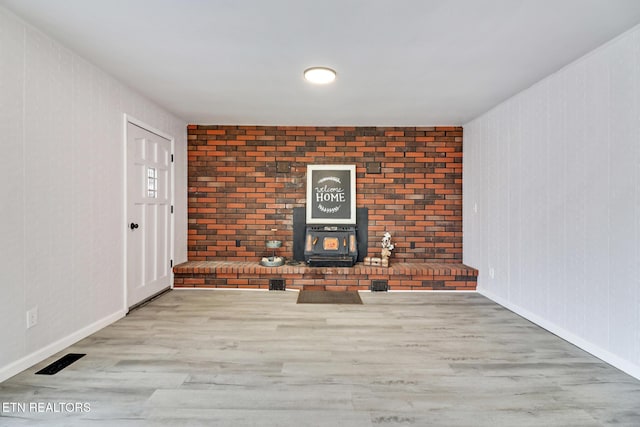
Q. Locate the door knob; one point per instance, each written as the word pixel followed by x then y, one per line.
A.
pixel 133 226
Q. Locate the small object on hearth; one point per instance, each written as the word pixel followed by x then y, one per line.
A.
pixel 387 247
pixel 273 261
pixel 367 260
pixel 272 244
pixel 376 261
pixel 384 262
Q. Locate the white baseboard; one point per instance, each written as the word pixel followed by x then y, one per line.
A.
pixel 602 354
pixel 38 356
pixel 429 291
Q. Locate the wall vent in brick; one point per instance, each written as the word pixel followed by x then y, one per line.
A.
pixel 276 285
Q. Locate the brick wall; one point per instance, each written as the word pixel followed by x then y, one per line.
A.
pixel 244 182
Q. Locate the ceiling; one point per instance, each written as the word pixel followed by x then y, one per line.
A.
pixel 399 63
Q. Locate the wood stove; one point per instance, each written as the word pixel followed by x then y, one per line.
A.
pixel 330 246
pixel 300 230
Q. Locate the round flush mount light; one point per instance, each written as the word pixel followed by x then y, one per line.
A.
pixel 319 75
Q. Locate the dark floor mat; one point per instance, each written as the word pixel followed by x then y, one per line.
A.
pixel 329 297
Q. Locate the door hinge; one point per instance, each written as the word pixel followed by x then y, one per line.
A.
pixel 171 208
pixel 171 263
pixel 172 158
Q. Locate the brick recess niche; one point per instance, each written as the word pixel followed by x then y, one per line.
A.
pixel 244 182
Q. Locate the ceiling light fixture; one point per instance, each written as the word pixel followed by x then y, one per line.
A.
pixel 319 75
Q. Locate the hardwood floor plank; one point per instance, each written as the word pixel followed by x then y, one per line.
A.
pixel 234 358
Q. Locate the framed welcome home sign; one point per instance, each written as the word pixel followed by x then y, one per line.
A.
pixel 331 194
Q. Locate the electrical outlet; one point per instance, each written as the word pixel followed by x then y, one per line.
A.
pixel 32 317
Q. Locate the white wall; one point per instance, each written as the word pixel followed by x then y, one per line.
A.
pixel 62 193
pixel 555 175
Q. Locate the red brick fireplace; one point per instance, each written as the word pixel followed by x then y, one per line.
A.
pixel 245 181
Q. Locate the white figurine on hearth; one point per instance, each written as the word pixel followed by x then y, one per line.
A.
pixel 387 247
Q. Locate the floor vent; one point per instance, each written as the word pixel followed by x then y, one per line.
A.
pixel 379 286
pixel 60 364
pixel 276 285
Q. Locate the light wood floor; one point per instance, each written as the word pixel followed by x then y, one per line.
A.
pixel 242 358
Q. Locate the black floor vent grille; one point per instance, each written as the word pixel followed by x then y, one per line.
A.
pixel 60 364
pixel 276 285
pixel 379 286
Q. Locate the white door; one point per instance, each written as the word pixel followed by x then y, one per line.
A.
pixel 149 214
